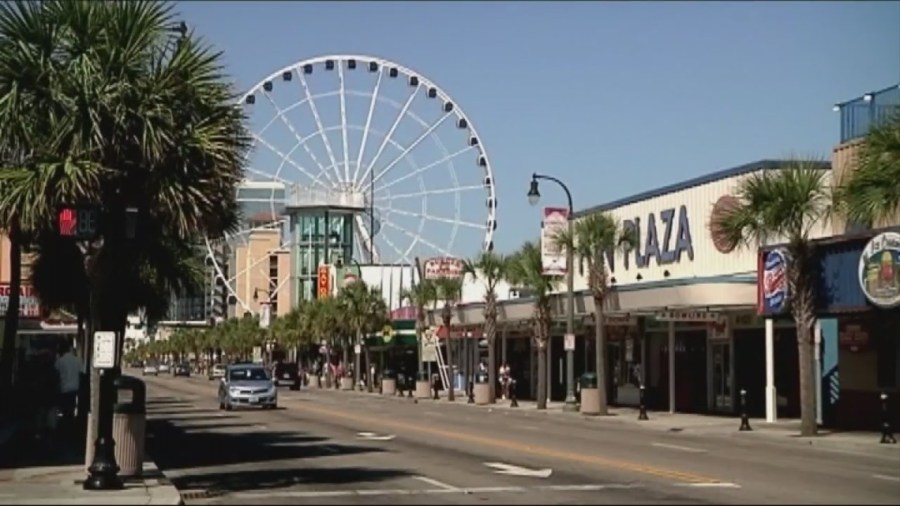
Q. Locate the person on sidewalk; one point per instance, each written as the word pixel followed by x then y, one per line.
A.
pixel 68 367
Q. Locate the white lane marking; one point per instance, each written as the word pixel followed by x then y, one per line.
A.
pixel 526 427
pixel 588 488
pixel 886 477
pixel 329 449
pixel 714 484
pixel 375 492
pixel 371 436
pixel 511 470
pixel 679 448
pixel 435 483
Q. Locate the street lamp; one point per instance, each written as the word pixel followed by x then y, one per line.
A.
pixel 534 195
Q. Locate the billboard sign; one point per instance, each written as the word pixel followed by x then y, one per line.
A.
pixel 444 267
pixel 29 304
pixel 553 258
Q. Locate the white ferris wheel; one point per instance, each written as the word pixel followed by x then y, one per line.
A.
pixel 370 137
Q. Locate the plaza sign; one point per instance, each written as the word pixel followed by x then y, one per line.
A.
pixel 443 267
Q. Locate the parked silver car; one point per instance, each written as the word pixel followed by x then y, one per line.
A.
pixel 247 385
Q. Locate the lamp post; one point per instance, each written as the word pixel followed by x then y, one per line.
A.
pixel 534 195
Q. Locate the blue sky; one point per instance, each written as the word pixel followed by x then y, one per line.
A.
pixel 612 98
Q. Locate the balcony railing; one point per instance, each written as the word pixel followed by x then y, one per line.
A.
pixel 860 114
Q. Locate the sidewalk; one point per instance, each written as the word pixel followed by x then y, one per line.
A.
pixel 62 485
pixel 32 473
pixel 784 431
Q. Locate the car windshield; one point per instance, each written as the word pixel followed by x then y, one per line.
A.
pixel 248 374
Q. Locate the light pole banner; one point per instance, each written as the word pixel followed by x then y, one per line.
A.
pixel 553 258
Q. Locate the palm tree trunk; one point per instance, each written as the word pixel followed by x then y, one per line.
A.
pixel 805 356
pixel 451 396
pixel 370 378
pixel 542 375
pixel 600 356
pixel 11 321
pixel 492 369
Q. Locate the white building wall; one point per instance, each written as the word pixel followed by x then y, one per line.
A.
pixel 692 206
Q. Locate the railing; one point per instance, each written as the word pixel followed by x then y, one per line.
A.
pixel 860 114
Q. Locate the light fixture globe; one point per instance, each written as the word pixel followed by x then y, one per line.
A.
pixel 534 196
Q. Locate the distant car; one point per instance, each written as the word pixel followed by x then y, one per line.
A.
pixel 247 385
pixel 287 373
pixel 217 371
pixel 163 368
pixel 181 370
pixel 150 370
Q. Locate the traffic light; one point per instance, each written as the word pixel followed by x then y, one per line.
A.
pixel 80 223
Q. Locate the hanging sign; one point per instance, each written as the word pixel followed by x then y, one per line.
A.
pixel 879 270
pixel 324 281
pixel 553 258
pixel 773 287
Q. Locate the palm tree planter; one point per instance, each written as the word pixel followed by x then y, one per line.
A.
pixel 786 203
pixel 492 268
pixel 526 270
pixel 590 239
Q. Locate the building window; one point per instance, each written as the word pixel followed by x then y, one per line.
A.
pixel 273 284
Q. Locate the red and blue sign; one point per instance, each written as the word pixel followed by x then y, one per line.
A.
pixel 773 282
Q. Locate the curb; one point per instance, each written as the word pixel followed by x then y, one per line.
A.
pixel 159 487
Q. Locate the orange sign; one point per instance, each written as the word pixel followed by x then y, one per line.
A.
pixel 324 281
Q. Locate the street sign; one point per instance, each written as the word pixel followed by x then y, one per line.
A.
pixel 357 349
pixel 387 333
pixel 570 342
pixel 104 350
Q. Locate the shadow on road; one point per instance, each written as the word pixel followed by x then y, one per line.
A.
pixel 175 447
pixel 280 478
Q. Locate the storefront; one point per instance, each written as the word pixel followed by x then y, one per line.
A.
pixel 678 288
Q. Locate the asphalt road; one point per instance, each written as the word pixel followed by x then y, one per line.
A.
pixel 347 448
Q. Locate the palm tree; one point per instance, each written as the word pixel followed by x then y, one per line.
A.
pixel 590 239
pixel 870 195
pixel 355 299
pixel 526 270
pixel 421 295
pixel 449 290
pixel 159 132
pixel 491 268
pixel 786 204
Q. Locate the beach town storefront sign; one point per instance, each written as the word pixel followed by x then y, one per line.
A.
pixel 879 270
pixel 29 304
pixel 664 237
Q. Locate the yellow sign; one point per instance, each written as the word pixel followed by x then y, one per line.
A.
pixel 388 333
pixel 324 281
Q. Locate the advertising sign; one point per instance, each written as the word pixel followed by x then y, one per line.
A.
pixel 29 305
pixel 879 270
pixel 429 345
pixel 443 267
pixel 323 287
pixel 773 289
pixel 553 258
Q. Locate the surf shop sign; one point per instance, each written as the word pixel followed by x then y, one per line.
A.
pixel 879 270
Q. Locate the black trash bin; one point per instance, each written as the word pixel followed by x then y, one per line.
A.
pixel 589 380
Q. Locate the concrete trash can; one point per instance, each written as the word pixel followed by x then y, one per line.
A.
pixel 590 394
pixel 346 383
pixel 481 389
pixel 314 380
pixel 129 428
pixel 388 382
pixel 423 386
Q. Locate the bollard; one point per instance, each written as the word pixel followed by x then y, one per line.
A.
pixel 513 402
pixel 642 414
pixel 745 421
pixel 887 433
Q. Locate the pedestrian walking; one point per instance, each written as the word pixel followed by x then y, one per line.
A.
pixel 68 369
pixel 504 380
